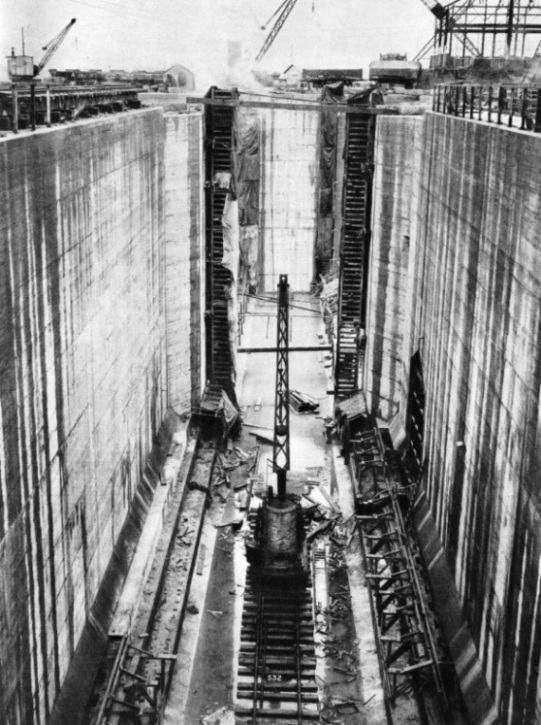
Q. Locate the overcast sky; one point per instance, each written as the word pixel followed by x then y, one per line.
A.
pixel 151 35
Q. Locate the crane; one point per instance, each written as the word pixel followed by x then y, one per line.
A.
pixel 22 68
pixel 280 459
pixel 51 47
pixel 441 13
pixel 285 9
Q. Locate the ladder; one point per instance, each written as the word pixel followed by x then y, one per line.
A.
pixel 354 248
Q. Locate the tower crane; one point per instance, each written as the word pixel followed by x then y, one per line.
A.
pixel 22 68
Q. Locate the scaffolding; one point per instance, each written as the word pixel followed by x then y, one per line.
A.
pixel 497 28
pixel 403 620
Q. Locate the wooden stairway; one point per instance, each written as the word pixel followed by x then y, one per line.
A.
pixel 354 248
pixel 218 147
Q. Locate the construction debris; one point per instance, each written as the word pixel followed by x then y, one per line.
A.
pixel 303 403
pixel 267 436
pixel 222 716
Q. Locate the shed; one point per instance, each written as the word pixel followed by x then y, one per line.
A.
pixel 179 78
pixel 292 76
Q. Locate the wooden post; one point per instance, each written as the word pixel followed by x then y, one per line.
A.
pixel 537 125
pixel 15 109
pixel 48 111
pixel 33 106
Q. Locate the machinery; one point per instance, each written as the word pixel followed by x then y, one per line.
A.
pixel 487 28
pixel 285 9
pixel 277 545
pixel 444 20
pixel 21 67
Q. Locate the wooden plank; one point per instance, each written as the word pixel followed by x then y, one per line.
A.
pixel 307 348
pixel 294 106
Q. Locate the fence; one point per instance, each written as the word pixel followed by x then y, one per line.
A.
pixel 514 105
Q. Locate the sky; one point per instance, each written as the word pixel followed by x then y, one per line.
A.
pixel 153 35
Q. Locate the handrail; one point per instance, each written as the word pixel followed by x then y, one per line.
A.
pixel 516 105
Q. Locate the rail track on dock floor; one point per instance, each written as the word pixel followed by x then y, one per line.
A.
pixel 135 675
pixel 277 662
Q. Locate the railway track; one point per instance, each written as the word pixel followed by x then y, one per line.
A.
pixel 277 662
pixel 135 675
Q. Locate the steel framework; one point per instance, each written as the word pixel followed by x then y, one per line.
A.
pixel 403 624
pixel 496 27
pixel 281 405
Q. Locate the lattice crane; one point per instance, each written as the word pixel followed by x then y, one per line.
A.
pixel 285 9
pixel 280 459
pixel 21 67
pixel 53 46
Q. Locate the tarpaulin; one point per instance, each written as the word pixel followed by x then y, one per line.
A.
pixel 249 251
pixel 330 95
pixel 230 227
pixel 247 167
pixel 247 182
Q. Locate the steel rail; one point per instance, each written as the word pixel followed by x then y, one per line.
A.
pixel 109 697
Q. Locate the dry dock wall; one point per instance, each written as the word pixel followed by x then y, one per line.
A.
pixel 473 312
pixel 185 259
pixel 288 196
pixel 83 381
pixel 395 190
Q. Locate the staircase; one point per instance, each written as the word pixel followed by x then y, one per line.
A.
pixel 218 144
pixel 354 248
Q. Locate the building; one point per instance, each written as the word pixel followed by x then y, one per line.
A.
pixel 179 78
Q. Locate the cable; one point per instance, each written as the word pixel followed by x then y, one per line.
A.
pixel 139 14
pixel 273 299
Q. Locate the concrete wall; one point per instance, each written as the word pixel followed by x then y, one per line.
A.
pixel 83 376
pixel 473 309
pixel 395 189
pixel 288 196
pixel 185 258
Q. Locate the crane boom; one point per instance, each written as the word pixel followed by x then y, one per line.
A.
pixel 288 6
pixel 52 46
pixel 280 458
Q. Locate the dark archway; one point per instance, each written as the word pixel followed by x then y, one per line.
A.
pixel 415 421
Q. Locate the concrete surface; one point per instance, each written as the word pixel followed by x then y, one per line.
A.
pixel 185 259
pixel 396 178
pixel 472 311
pixel 205 681
pixel 134 585
pixel 289 160
pixel 84 385
pixel 83 345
